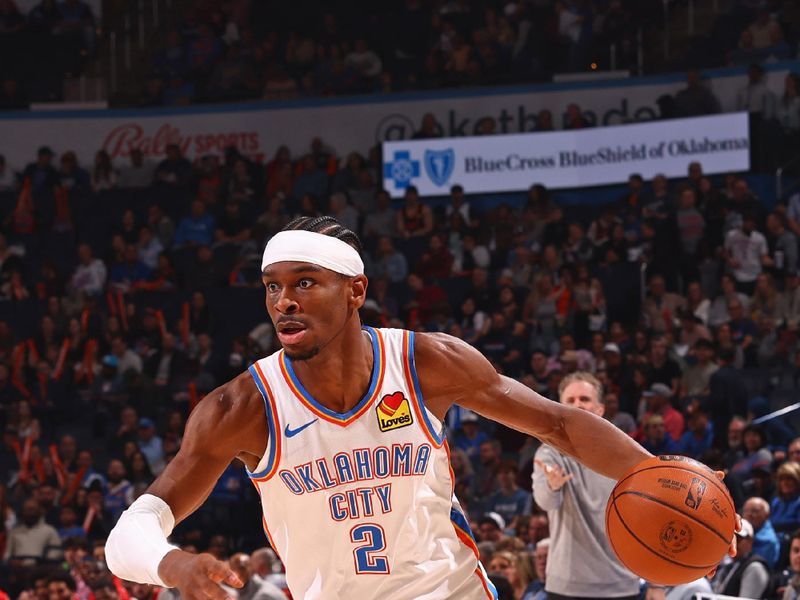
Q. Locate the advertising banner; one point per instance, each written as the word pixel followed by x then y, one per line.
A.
pixel 567 159
pixel 347 125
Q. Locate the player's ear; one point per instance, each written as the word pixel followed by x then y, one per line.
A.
pixel 358 291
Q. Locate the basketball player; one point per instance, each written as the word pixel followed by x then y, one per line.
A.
pixel 341 432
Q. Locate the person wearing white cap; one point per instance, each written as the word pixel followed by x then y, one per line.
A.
pixel 747 574
pixel 341 432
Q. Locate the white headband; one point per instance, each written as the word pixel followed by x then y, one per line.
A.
pixel 315 248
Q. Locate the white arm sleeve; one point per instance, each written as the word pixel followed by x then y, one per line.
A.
pixel 138 541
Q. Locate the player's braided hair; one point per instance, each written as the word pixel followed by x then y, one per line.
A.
pixel 326 226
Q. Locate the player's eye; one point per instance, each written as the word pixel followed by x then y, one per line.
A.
pixel 272 288
pixel 305 283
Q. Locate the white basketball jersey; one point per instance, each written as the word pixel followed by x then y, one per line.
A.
pixel 360 504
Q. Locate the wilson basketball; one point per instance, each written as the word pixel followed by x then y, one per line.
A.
pixel 670 520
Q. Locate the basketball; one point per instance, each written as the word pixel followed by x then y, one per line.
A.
pixel 670 520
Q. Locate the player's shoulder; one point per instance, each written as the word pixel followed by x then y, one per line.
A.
pixel 232 402
pixel 442 347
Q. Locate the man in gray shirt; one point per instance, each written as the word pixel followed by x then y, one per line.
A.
pixel 581 563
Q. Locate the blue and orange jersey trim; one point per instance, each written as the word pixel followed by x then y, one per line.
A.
pixel 488 586
pixel 326 414
pixel 464 533
pixel 274 442
pixel 410 370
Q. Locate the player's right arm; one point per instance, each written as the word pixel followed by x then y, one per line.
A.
pixel 230 422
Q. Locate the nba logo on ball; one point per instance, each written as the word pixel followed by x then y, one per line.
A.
pixel 695 494
pixel 676 536
pixel 670 520
pixel 393 412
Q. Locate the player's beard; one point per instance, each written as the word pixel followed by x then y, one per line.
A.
pixel 300 356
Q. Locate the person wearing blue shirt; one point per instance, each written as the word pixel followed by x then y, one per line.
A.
pixel 196 229
pixel 131 270
pixel 785 504
pixel 699 435
pixel 765 542
pixel 656 440
pixel 509 501
pixel 470 437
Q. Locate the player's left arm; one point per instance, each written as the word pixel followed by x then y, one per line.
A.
pixel 453 372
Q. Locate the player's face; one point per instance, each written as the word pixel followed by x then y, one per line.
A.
pixel 309 305
pixel 582 395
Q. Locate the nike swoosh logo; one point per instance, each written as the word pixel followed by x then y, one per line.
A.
pixel 293 432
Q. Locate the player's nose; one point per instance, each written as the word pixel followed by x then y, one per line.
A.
pixel 287 304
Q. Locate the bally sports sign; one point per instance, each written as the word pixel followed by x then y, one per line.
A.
pixel 567 159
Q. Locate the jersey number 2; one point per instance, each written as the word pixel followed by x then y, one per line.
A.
pixel 372 540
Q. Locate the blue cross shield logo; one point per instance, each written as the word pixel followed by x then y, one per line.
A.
pixel 401 170
pixel 439 165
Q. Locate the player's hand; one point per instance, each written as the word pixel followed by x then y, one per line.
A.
pixel 655 593
pixel 197 576
pixel 556 476
pixel 737 528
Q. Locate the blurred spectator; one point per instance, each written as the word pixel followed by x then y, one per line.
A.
pixel 581 562
pixel 696 379
pixel 32 541
pixel 8 179
pixel 130 272
pixel 138 174
pixel 661 307
pixel 756 98
pixel 429 128
pixel 621 419
pixel 756 455
pixel 787 583
pixel 71 175
pixel 175 170
pixel 150 445
pixel 470 438
pixel 699 435
pixel 343 211
pixel 657 401
pixel 765 540
pixel 783 245
pixel 415 218
pixel 509 500
pixel 149 248
pixel 745 250
pixel 696 99
pixel 785 504
pixel 42 174
pixel 104 176
pixel 389 263
pixel 746 575
pixel 197 229
pixel 655 438
pixel 90 275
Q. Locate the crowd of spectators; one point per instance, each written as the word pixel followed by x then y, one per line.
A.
pixel 132 319
pixel 234 51
pixel 239 49
pixel 39 47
